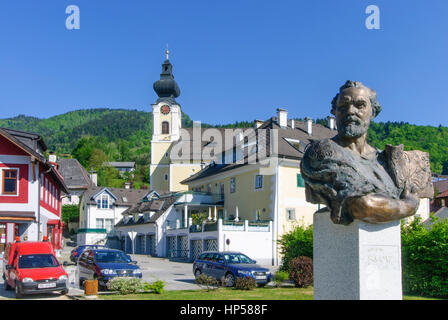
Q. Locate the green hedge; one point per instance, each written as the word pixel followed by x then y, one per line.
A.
pixel 425 258
pixel 296 243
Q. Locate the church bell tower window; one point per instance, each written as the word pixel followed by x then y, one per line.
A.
pixel 165 127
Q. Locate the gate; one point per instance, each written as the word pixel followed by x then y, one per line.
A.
pixel 196 249
pixel 182 247
pixel 171 247
pixel 150 247
pixel 139 244
pixel 211 245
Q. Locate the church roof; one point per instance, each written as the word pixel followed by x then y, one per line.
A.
pixel 166 88
pixel 291 145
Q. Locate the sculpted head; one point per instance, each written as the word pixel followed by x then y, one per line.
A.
pixel 354 107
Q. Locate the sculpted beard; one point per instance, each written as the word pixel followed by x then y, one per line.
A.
pixel 352 127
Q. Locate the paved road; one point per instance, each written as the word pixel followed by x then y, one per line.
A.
pixel 176 275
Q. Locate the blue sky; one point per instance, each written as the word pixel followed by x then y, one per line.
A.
pixel 233 60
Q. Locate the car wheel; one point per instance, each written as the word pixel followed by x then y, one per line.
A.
pixel 230 280
pixel 17 291
pixel 64 292
pixel 197 273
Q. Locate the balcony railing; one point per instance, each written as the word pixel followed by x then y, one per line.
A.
pixel 213 226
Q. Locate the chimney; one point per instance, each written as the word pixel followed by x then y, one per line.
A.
pixel 94 178
pixel 127 185
pixel 331 123
pixel 282 116
pixel 292 124
pixel 257 123
pixel 52 158
pixel 309 126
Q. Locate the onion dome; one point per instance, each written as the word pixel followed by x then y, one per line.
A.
pixel 166 88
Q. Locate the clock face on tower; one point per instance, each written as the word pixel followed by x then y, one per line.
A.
pixel 165 109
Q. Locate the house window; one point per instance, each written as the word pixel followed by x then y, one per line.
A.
pixel 232 185
pixel 10 181
pixel 109 224
pixel 42 187
pixel 300 181
pixel 257 214
pixel 258 181
pixel 165 127
pixel 166 177
pixel 46 190
pixel 291 214
pixel 103 202
pixel 100 223
pixel 209 188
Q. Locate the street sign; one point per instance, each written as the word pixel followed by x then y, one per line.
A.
pixel 132 235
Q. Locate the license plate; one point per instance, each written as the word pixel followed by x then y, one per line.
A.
pixel 46 285
pixel 260 277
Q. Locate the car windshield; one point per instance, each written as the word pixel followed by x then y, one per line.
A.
pixel 237 258
pixel 111 257
pixel 31 261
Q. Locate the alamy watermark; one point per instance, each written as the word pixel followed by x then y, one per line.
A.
pixel 373 20
pixel 73 21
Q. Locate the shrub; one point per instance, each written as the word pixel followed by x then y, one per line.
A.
pixel 425 256
pixel 245 283
pixel 207 282
pixel 297 243
pixel 125 285
pixel 301 271
pixel 156 286
pixel 280 277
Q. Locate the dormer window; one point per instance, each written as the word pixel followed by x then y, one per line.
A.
pixel 103 202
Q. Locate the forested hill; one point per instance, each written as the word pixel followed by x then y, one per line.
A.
pixel 63 131
pixel 125 135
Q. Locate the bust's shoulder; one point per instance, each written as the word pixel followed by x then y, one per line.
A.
pixel 321 149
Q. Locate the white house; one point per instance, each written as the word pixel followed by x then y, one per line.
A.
pixel 100 210
pixel 164 227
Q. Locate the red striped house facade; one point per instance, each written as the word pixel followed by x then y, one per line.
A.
pixel 30 190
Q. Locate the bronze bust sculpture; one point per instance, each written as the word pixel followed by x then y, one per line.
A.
pixel 355 180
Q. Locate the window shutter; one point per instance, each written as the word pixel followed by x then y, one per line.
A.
pixel 300 181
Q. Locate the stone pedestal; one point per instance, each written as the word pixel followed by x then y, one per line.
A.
pixel 361 261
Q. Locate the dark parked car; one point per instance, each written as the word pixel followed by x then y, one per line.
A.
pixel 105 264
pixel 230 265
pixel 75 253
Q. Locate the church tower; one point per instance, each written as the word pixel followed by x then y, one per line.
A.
pixel 166 125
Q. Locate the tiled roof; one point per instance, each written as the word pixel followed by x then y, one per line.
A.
pixel 125 197
pixel 75 176
pixel 441 187
pixel 120 164
pixel 158 206
pixel 33 145
pixel 286 146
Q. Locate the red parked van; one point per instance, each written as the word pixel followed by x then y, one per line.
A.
pixel 32 267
